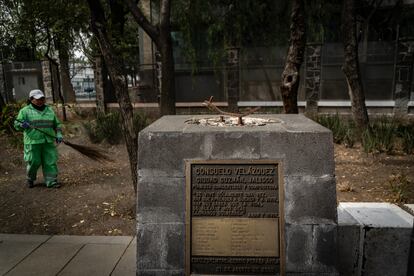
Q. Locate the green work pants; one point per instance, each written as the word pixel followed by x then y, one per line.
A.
pixel 44 155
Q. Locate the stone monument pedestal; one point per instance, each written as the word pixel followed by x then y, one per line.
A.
pixel 239 200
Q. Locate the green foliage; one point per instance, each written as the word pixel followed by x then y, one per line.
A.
pixel 208 27
pixel 7 116
pixel 380 137
pixel 340 128
pixel 406 134
pixel 323 19
pixel 350 137
pixel 408 141
pixel 122 32
pixel 399 186
pixel 384 134
pixel 107 127
pixel 38 25
pixel 141 121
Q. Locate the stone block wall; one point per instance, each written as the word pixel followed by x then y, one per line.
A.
pixel 373 239
pixel 47 81
pixel 99 84
pixel 313 77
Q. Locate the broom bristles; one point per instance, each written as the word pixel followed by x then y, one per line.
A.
pixel 90 152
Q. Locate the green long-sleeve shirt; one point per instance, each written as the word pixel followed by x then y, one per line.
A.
pixel 44 120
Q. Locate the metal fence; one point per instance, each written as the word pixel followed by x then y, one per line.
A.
pixel 261 69
pixel 260 75
pixel 83 82
pixel 377 71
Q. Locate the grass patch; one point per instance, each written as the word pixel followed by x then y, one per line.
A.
pixel 343 130
pixel 385 134
pixel 406 136
pixel 382 136
pixel 399 186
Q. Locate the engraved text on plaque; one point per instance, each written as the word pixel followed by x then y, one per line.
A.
pixel 233 218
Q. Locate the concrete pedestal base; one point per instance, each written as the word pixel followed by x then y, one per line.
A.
pixel 305 150
pixel 373 239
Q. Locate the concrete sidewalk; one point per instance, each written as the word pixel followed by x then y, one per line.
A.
pixel 67 255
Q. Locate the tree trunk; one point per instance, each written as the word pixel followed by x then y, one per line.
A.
pixel 167 100
pixel 232 80
pixel 58 86
pixel 2 103
pixel 3 87
pixel 66 84
pixel 161 36
pixel 114 67
pixel 351 66
pixel 297 42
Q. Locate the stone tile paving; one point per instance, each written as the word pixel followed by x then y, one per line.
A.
pixel 67 255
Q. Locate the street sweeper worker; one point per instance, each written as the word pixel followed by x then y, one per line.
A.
pixel 41 129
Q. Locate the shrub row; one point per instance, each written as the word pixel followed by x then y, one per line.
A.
pixel 385 134
pixel 108 127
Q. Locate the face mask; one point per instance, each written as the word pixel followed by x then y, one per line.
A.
pixel 41 108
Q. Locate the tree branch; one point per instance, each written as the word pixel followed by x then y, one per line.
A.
pixel 142 21
pixel 85 49
pixel 209 104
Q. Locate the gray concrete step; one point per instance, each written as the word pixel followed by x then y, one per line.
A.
pixel 67 255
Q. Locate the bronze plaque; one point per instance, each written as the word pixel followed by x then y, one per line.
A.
pixel 233 221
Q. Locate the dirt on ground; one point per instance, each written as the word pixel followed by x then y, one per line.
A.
pixel 362 177
pixel 98 198
pixel 94 198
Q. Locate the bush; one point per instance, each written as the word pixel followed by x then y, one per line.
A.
pixel 341 129
pixel 108 127
pixel 385 130
pixel 105 127
pixel 406 134
pixel 369 141
pixel 383 135
pixel 350 138
pixel 141 121
pixel 399 186
pixel 7 116
pixel 91 131
pixel 380 136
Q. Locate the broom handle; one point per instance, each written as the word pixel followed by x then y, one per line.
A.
pixel 32 127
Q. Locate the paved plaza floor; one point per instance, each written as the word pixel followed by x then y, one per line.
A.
pixel 67 255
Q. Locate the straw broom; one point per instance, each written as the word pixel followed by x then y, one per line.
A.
pixel 90 152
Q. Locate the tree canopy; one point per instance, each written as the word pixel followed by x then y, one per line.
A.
pixel 31 28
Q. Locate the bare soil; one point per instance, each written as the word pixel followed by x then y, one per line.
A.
pixel 362 177
pixel 94 199
pixel 98 198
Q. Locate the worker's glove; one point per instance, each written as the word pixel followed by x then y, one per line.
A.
pixel 25 124
pixel 59 140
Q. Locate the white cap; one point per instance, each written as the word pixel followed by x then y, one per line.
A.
pixel 37 94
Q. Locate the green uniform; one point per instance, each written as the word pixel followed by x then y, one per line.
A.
pixel 39 148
